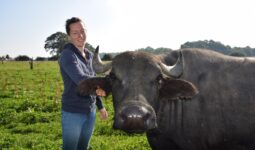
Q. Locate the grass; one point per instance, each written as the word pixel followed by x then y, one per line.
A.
pixel 30 104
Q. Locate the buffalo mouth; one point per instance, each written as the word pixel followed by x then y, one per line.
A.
pixel 135 119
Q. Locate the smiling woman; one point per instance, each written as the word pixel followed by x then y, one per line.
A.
pixel 78 112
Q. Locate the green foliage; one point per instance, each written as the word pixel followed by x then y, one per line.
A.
pixel 55 43
pixel 22 58
pixel 219 47
pixel 212 45
pixel 237 54
pixel 90 47
pixel 30 112
pixel 107 57
pixel 159 50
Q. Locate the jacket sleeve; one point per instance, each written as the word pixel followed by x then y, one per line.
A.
pixel 99 103
pixel 69 63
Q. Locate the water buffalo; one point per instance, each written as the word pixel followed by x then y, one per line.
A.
pixel 188 99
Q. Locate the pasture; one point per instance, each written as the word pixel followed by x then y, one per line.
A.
pixel 30 104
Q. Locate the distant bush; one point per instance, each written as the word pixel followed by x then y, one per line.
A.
pixel 107 57
pixel 41 59
pixel 219 47
pixel 237 54
pixel 22 58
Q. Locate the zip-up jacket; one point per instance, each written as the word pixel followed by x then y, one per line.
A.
pixel 74 68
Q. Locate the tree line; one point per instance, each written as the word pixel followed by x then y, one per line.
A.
pixel 219 47
pixel 55 43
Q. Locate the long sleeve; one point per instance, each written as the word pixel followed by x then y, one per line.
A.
pixel 99 103
pixel 74 68
pixel 70 64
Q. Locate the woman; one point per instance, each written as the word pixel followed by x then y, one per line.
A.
pixel 78 112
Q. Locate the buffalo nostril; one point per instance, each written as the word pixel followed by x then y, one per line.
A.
pixel 134 112
pixel 134 118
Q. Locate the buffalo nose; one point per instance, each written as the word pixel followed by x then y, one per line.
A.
pixel 135 118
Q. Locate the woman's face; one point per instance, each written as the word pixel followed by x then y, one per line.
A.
pixel 77 35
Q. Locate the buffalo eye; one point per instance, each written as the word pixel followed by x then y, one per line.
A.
pixel 112 76
pixel 159 79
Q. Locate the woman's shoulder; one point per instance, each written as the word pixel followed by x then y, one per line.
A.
pixel 67 53
pixel 67 48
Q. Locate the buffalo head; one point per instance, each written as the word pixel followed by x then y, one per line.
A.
pixel 138 81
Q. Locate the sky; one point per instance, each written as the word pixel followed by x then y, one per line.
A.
pixel 121 25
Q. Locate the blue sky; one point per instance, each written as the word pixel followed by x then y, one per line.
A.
pixel 120 25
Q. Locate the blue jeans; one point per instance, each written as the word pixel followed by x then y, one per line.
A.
pixel 77 129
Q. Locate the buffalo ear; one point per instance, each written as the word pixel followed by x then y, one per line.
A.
pixel 177 89
pixel 89 86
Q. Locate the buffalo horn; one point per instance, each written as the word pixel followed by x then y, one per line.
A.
pixel 98 65
pixel 175 70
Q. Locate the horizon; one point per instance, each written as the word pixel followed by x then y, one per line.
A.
pixel 134 49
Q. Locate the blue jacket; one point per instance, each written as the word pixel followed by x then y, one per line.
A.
pixel 74 68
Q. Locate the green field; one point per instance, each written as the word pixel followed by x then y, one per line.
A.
pixel 30 104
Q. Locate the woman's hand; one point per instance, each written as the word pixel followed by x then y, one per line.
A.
pixel 103 114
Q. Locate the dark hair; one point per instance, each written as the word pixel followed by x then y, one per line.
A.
pixel 71 21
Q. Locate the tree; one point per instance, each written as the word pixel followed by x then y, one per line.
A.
pixel 22 58
pixel 7 57
pixel 89 47
pixel 2 59
pixel 107 57
pixel 212 45
pixel 55 43
pixel 237 54
pixel 41 58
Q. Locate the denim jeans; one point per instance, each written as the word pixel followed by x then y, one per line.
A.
pixel 77 129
